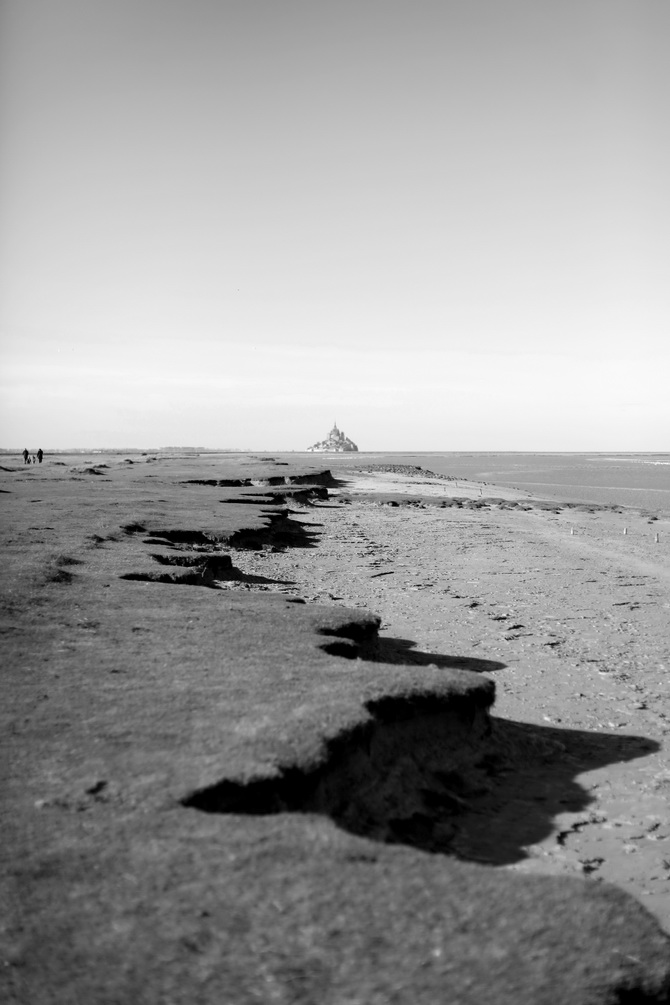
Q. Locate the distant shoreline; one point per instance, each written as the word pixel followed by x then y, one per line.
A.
pixel 639 480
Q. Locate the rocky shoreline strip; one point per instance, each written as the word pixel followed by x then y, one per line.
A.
pixel 221 790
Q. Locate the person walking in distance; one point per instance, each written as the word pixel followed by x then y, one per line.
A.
pixel 26 455
pixel 40 455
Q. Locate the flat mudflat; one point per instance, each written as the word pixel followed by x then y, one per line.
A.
pixel 249 755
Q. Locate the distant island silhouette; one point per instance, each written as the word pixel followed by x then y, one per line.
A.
pixel 335 442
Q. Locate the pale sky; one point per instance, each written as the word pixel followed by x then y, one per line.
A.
pixel 226 223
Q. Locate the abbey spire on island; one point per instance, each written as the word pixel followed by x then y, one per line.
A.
pixel 335 442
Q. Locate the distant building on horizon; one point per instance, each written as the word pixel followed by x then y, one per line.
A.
pixel 335 442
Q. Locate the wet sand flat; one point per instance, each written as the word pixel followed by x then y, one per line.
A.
pixel 576 610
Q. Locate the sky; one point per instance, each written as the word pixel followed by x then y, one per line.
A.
pixel 444 224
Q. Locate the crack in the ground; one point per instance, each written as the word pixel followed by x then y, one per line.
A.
pixel 208 570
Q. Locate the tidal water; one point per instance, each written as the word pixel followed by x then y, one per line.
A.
pixel 640 480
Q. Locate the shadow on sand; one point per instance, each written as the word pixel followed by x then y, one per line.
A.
pixel 392 650
pixel 527 779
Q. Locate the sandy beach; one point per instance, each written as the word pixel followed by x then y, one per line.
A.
pixel 573 602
